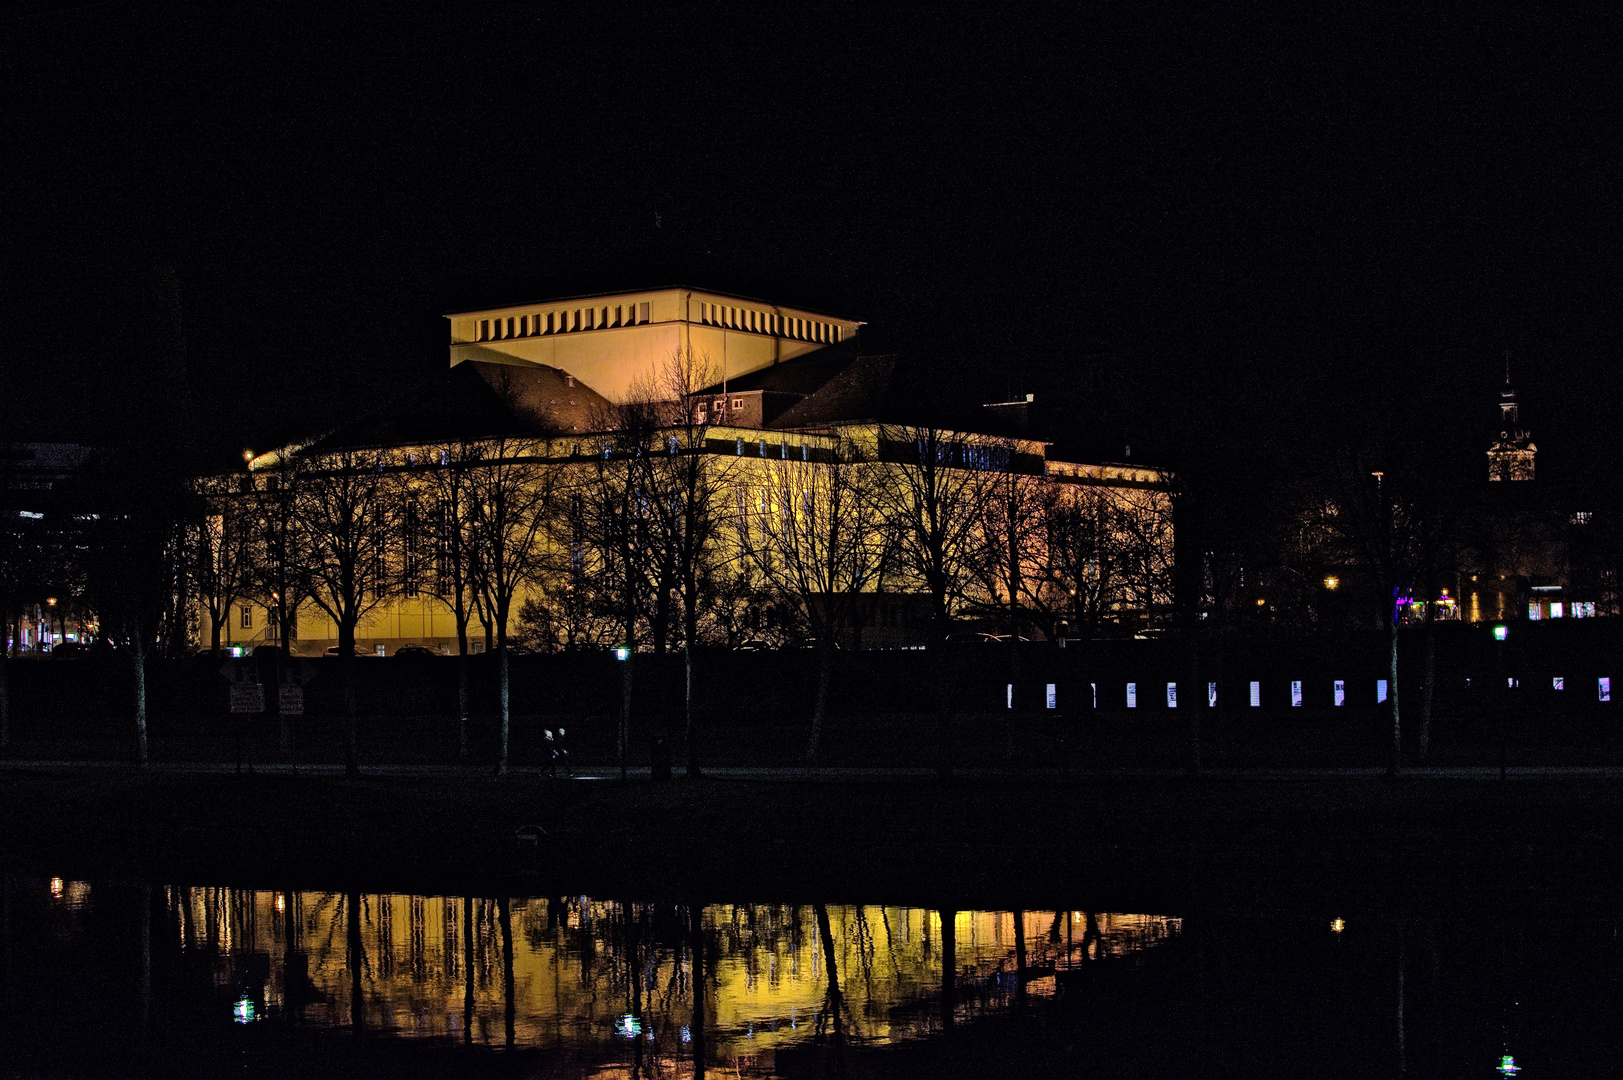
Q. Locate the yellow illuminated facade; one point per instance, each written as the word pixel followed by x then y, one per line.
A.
pixel 613 348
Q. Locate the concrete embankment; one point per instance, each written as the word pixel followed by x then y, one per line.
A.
pixel 1169 844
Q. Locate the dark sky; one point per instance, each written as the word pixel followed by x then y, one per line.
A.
pixel 1279 229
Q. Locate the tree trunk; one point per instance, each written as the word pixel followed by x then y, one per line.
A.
pixel 504 919
pixel 825 675
pixel 138 654
pixel 501 663
pixel 622 740
pixel 692 725
pixel 357 961
pixel 214 635
pixel 346 670
pixel 5 688
pixel 1392 698
pixel 462 690
pixel 467 970
pixel 1428 686
pixel 696 943
pixel 827 934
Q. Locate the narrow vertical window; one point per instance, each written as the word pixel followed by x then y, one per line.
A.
pixel 642 312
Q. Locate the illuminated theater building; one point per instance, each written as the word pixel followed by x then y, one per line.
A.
pixel 784 385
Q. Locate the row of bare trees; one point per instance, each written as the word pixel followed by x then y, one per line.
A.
pixel 657 533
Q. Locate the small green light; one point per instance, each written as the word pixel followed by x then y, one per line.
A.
pixel 1500 633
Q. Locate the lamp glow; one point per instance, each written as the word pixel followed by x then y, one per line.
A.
pixel 1500 633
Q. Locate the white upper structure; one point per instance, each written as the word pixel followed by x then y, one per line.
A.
pixel 611 341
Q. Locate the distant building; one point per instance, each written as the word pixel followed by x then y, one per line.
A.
pixel 1511 455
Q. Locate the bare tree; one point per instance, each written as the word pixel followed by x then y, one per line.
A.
pixel 348 509
pixel 131 554
pixel 220 551
pixel 1399 527
pixel 686 487
pixel 1011 534
pixel 510 493
pixel 933 495
pixel 609 506
pixel 818 537
pixel 448 481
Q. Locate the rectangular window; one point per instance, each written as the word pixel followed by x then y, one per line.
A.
pixel 380 649
pixel 642 312
pixel 1605 688
pixel 805 452
pixel 484 329
pixel 1380 691
pixel 247 617
pixel 1558 683
pixel 1296 693
pixel 1256 695
pixel 1341 692
pixel 1132 695
pixel 1172 695
pixel 1556 609
pixel 738 403
pixel 741 446
pixel 1051 699
pixel 762 448
pixel 1211 695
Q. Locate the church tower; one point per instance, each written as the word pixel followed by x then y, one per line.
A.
pixel 1511 456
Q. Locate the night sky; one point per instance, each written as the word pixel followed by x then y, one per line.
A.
pixel 1269 233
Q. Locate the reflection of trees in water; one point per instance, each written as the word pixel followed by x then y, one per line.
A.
pixel 614 981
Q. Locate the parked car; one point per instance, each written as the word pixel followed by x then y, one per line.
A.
pixel 332 650
pixel 68 649
pixel 415 650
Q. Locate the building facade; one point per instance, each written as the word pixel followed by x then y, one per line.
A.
pixel 757 401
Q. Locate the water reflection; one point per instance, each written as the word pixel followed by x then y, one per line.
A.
pixel 323 983
pixel 633 988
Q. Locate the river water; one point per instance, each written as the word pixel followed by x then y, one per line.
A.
pixel 134 979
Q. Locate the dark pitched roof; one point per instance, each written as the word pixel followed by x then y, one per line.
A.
pixel 476 399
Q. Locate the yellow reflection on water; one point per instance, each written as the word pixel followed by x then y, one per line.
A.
pixel 612 982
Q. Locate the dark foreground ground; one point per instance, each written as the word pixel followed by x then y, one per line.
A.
pixel 1175 845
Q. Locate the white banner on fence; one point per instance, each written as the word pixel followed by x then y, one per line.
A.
pixel 247 697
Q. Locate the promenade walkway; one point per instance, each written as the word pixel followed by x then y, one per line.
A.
pixel 838 775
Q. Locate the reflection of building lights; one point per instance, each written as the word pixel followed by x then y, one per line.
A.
pixel 56 886
pixel 281 903
pixel 629 1026
pixel 1507 1066
pixel 242 1010
pixel 687 1036
pixel 1337 925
